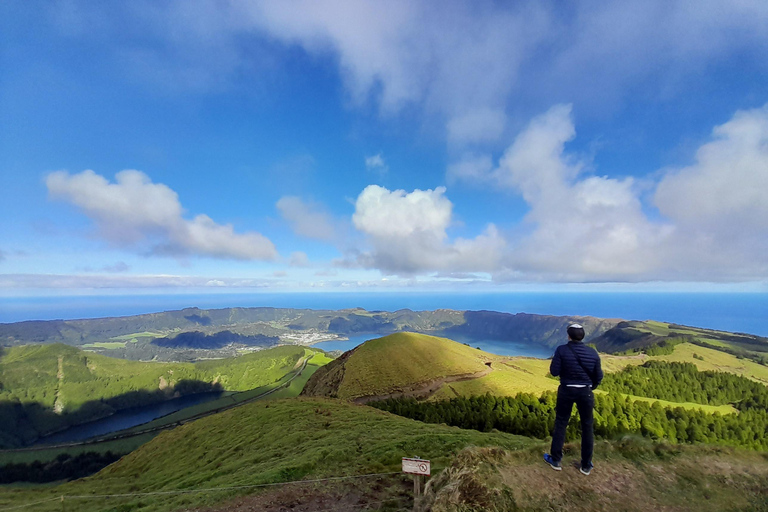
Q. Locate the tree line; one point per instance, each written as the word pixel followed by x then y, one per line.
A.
pixel 615 414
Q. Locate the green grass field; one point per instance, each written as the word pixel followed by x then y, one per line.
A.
pixel 132 337
pixel 528 375
pixel 717 361
pixel 262 442
pixel 404 359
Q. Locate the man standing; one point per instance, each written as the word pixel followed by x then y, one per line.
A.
pixel 578 367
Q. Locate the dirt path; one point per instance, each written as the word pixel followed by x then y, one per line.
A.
pixel 423 389
pixel 58 403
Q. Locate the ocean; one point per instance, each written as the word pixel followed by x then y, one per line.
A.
pixel 736 312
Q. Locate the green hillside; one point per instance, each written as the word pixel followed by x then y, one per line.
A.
pixel 399 362
pixel 262 443
pixel 48 387
pixel 657 338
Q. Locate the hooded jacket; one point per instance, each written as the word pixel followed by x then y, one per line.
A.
pixel 566 366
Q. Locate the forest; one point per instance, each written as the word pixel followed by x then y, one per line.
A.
pixel 617 414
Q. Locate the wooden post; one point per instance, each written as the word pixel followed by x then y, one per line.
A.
pixel 416 486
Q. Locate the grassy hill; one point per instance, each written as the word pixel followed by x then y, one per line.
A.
pixel 654 338
pixel 401 362
pixel 426 366
pixel 310 438
pixel 263 443
pixel 48 387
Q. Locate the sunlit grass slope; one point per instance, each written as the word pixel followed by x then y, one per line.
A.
pixel 508 378
pixel 264 442
pixel 718 361
pixel 399 361
pixel 528 375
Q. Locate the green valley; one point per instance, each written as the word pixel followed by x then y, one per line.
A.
pixel 49 387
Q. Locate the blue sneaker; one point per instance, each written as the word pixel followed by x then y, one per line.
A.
pixel 554 465
pixel 585 470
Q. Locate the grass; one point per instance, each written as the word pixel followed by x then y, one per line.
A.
pixel 106 344
pixel 262 442
pixel 722 409
pixel 516 375
pixel 405 359
pixel 32 374
pixel 47 454
pixel 717 361
pixel 128 444
pixel 132 337
pixel 529 375
pixel 630 474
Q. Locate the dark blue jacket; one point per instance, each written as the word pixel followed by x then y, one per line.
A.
pixel 565 365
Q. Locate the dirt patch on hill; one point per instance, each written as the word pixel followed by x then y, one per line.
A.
pixel 422 389
pixel 382 493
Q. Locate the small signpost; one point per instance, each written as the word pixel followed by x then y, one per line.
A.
pixel 416 467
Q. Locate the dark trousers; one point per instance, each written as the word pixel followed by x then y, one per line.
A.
pixel 585 403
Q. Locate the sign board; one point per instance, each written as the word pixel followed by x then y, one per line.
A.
pixel 416 466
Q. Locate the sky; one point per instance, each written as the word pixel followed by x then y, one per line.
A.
pixel 387 145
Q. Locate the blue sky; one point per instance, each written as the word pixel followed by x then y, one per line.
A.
pixel 383 145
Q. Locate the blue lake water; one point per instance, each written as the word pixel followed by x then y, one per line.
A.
pixel 737 312
pixel 127 418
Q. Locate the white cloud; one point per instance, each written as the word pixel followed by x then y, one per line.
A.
pixel 727 186
pixel 376 163
pixel 133 210
pixel 478 125
pixel 120 266
pixel 580 228
pixel 407 232
pixel 719 204
pixel 471 168
pixel 306 219
pixel 299 259
pixel 461 62
pixel 593 228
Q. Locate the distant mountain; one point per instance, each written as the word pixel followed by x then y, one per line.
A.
pixel 215 329
pixel 657 337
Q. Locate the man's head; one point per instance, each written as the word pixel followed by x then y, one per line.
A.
pixel 575 332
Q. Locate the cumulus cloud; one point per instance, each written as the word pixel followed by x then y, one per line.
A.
pixel 583 227
pixel 306 219
pixel 580 227
pixel 133 211
pixel 376 163
pixel 719 203
pixel 407 232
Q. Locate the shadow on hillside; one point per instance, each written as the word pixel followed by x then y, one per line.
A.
pixel 200 340
pixel 24 423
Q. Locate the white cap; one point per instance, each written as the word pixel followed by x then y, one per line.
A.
pixel 577 326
